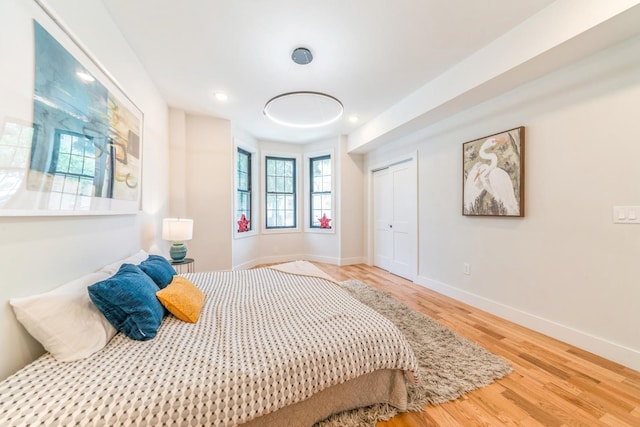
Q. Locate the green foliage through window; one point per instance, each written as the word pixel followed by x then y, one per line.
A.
pixel 321 209
pixel 243 191
pixel 73 169
pixel 280 192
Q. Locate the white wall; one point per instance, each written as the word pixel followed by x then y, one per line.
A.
pixel 342 245
pixel 178 163
pixel 202 149
pixel 280 245
pixel 564 269
pixel 246 246
pixel 40 253
pixel 202 188
pixel 351 208
pixel 322 245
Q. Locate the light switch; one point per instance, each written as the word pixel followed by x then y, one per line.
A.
pixel 626 214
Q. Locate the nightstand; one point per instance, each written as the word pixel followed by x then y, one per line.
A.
pixel 188 265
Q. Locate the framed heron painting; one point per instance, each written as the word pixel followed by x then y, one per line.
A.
pixel 493 175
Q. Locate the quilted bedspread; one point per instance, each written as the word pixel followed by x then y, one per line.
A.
pixel 265 339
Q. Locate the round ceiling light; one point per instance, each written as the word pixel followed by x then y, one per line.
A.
pixel 303 109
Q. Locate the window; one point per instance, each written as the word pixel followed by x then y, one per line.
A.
pixel 243 191
pixel 73 166
pixel 280 192
pixel 320 209
pixel 15 145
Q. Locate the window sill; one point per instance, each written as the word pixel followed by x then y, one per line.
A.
pixel 280 230
pixel 245 234
pixel 320 230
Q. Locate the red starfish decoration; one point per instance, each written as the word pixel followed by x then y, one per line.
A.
pixel 243 224
pixel 324 221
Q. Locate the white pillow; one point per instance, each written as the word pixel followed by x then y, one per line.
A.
pixel 134 259
pixel 65 321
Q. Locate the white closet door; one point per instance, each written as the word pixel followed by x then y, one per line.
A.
pixel 395 219
pixel 383 217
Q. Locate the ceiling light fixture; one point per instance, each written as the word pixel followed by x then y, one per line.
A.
pixel 303 109
pixel 354 119
pixel 221 96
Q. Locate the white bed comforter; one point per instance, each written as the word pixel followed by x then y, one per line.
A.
pixel 265 339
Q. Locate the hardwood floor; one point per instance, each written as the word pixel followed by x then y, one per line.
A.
pixel 553 383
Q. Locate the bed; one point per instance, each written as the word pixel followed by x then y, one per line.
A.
pixel 270 348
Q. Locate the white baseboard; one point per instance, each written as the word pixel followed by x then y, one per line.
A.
pixel 268 260
pixel 618 353
pixel 334 260
pixel 288 258
pixel 351 261
pixel 245 265
pixel 322 259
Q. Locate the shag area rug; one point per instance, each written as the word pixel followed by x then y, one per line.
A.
pixel 449 364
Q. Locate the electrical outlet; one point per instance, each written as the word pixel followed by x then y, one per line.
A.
pixel 466 269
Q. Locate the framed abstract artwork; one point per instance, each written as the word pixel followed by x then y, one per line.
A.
pixel 493 175
pixel 70 138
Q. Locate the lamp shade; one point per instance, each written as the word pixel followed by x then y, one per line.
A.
pixel 177 229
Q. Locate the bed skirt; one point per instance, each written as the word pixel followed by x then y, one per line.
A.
pixel 384 386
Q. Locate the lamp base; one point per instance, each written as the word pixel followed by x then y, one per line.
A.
pixel 178 251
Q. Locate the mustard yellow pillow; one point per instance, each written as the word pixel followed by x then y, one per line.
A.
pixel 182 298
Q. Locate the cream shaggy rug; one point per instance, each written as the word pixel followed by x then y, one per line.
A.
pixel 450 365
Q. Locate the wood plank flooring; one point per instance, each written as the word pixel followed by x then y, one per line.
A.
pixel 553 383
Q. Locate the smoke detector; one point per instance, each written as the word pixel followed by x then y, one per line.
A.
pixel 301 56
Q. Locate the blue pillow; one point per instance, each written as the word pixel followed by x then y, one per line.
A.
pixel 159 269
pixel 128 301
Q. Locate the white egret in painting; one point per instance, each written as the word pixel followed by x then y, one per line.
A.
pixel 490 178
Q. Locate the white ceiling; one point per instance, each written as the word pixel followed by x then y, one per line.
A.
pixel 368 53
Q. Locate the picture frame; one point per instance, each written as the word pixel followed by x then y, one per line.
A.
pixel 493 175
pixel 70 137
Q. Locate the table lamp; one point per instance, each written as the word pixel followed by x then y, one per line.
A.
pixel 177 230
